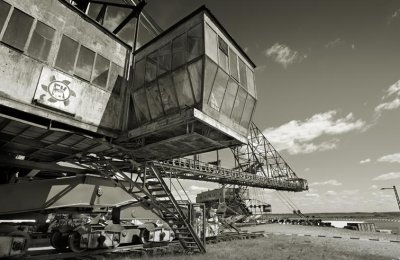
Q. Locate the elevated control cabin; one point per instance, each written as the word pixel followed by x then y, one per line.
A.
pixel 193 91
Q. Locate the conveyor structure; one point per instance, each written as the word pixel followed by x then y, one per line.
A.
pixel 89 122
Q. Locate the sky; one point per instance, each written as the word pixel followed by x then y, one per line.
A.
pixel 328 87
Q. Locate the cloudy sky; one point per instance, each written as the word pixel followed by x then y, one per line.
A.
pixel 328 92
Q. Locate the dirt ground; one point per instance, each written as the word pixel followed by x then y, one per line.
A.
pixel 289 245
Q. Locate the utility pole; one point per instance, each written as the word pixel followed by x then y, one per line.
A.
pixel 395 193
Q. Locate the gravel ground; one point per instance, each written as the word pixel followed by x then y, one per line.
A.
pixel 327 231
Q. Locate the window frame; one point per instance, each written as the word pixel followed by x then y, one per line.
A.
pixel 7 23
pixel 30 41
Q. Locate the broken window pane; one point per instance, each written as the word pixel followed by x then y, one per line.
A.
pixel 4 10
pixel 115 80
pixel 41 41
pixel 18 29
pixel 100 72
pixel 229 98
pixel 167 92
pixel 195 42
pixel 178 51
pixel 151 67
pixel 218 90
pixel 233 64
pixel 164 59
pixel 248 111
pixel 211 46
pixel 183 89
pixel 223 54
pixel 84 65
pixel 141 108
pixel 153 96
pixel 242 71
pixel 67 54
pixel 239 105
pixel 209 76
pixel 195 77
pixel 139 74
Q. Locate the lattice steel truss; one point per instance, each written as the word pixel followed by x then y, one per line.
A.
pixel 260 158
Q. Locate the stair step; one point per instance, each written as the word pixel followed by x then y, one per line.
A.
pixel 160 196
pixel 155 189
pixel 152 182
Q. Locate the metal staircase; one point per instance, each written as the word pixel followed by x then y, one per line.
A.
pixel 260 158
pixel 154 191
pixel 171 212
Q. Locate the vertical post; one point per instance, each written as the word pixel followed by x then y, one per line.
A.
pixel 397 196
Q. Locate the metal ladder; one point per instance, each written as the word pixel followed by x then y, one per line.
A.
pixel 154 191
pixel 171 212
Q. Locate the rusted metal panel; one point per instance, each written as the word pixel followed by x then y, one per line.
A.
pixel 25 79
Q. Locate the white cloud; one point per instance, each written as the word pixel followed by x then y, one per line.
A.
pixel 374 187
pixel 331 193
pixel 392 92
pixel 307 169
pixel 395 103
pixel 283 55
pixel 328 182
pixel 334 43
pixel 391 158
pixel 387 176
pixel 314 195
pixel 394 16
pixel 298 136
pixel 365 161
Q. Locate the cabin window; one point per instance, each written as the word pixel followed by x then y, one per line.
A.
pixel 115 79
pixel 84 65
pixel 223 54
pixel 17 32
pixel 209 76
pixel 195 42
pixel 250 82
pixel 153 97
pixel 195 78
pixel 183 89
pixel 233 64
pixel 42 39
pixel 218 89
pixel 229 97
pixel 139 74
pixel 141 108
pixel 242 71
pixel 239 105
pixel 100 72
pixel 164 59
pixel 167 93
pixel 4 10
pixel 151 67
pixel 211 40
pixel 248 111
pixel 67 54
pixel 178 51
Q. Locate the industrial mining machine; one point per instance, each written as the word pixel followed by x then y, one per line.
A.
pixel 92 125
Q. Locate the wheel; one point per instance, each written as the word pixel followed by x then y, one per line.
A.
pixel 74 241
pixel 58 240
pixel 144 235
